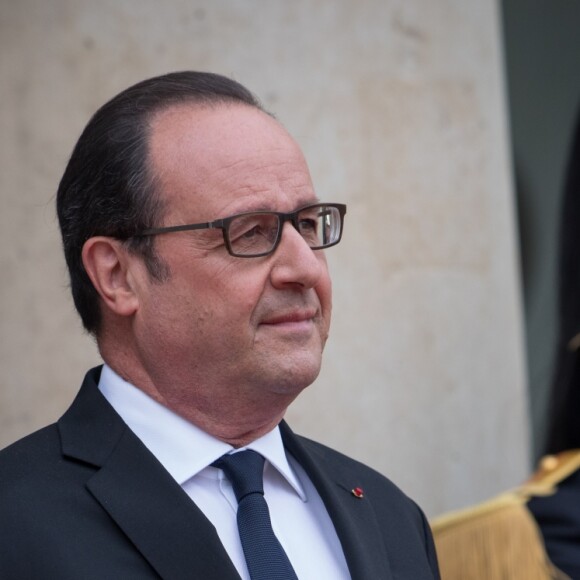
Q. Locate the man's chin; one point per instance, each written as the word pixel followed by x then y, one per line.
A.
pixel 294 376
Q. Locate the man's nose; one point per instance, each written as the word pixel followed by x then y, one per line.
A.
pixel 295 262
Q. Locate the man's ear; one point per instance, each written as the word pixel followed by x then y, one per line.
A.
pixel 107 262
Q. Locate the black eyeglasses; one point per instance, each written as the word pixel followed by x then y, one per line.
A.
pixel 258 233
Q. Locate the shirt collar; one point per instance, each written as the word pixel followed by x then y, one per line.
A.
pixel 180 446
pixel 271 447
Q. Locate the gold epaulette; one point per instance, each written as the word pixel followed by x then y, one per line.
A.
pixel 499 538
pixel 552 469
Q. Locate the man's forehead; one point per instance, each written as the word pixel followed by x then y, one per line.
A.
pixel 210 136
pixel 233 151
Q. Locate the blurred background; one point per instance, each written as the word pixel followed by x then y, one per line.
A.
pixel 443 124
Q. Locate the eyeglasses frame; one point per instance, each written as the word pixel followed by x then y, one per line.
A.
pixel 224 223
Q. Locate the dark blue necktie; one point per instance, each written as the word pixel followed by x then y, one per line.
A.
pixel 265 556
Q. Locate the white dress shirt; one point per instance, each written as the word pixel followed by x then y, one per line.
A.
pixel 299 517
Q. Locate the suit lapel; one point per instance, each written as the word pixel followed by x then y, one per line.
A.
pixel 130 484
pixel 354 518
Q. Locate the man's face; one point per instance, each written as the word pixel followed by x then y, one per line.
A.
pixel 225 327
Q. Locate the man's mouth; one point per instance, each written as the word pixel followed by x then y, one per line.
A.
pixel 291 317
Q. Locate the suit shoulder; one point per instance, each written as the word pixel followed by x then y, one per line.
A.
pixel 352 468
pixel 398 517
pixel 30 457
pixel 33 443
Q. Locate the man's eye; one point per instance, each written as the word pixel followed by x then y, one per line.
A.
pixel 308 225
pixel 254 234
pixel 255 231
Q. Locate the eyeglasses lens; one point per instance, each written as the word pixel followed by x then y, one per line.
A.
pixel 255 234
pixel 319 225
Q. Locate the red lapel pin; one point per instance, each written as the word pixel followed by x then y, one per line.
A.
pixel 358 492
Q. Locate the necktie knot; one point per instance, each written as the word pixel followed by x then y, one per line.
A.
pixel 245 470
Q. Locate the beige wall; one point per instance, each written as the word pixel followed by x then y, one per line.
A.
pixel 399 105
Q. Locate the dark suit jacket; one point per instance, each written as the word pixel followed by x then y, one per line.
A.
pixel 558 516
pixel 85 499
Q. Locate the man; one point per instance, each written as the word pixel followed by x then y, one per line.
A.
pixel 194 242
